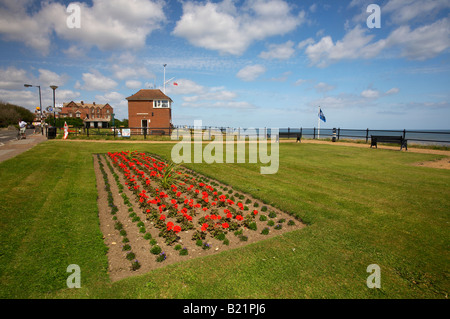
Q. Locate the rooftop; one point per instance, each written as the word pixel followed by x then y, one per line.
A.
pixel 148 95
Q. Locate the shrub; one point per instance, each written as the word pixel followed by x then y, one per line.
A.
pixel 123 232
pixel 126 247
pixel 147 236
pixel 161 257
pixel 131 256
pixel 199 242
pixel 177 247
pixel 264 208
pixel 270 223
pixel 155 250
pixel 135 265
pixel 226 242
pixel 183 251
pixel 263 218
pixel 265 231
pixel 140 224
pixel 282 220
pixel 206 246
pixel 153 242
pixel 125 240
pixel 291 222
pixel 243 238
pixel 252 226
pixel 142 229
pixel 272 214
pixel 278 226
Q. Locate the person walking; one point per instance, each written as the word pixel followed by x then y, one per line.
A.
pixel 22 128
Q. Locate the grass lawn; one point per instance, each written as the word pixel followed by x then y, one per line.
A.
pixel 363 206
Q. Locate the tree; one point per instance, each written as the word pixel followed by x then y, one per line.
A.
pixel 10 114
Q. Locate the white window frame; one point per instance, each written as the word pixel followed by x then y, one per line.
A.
pixel 158 104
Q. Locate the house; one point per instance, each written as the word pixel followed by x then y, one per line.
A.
pixel 150 109
pixel 93 115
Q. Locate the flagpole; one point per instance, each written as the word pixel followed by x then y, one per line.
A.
pixel 318 124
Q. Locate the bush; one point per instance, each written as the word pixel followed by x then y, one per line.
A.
pixel 155 250
pixel 147 236
pixel 161 257
pixel 263 218
pixel 265 231
pixel 184 251
pixel 131 256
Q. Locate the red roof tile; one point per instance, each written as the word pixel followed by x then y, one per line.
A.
pixel 148 95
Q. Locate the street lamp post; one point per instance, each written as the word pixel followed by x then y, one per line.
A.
pixel 40 103
pixel 54 87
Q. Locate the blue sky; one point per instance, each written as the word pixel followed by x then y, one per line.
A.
pixel 251 63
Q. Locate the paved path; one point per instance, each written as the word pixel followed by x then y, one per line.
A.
pixel 10 146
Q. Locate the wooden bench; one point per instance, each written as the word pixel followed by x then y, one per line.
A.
pixel 374 139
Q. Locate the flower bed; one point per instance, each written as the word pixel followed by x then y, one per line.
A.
pixel 190 215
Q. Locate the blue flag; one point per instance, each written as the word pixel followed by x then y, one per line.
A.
pixel 321 116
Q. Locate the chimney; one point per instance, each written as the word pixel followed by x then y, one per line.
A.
pixel 93 103
pixel 82 103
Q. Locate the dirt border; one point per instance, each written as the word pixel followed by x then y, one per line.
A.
pixel 120 267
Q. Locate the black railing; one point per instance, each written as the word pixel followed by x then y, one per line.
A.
pixel 420 136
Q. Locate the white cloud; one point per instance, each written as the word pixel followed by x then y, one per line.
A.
pixel 370 94
pixel 402 11
pixel 219 26
pixel 13 78
pixel 96 82
pixel 251 72
pixel 300 82
pixel 107 24
pixel 185 86
pixel 323 87
pixel 392 91
pixel 196 95
pixel 122 72
pixel 47 78
pixel 419 44
pixel 279 51
pixel 305 42
pixel 133 84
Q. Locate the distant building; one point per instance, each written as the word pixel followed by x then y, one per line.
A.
pixel 94 115
pixel 150 109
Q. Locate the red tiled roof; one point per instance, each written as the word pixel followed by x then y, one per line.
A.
pixel 148 95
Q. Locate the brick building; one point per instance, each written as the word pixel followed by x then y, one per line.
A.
pixel 151 109
pixel 93 115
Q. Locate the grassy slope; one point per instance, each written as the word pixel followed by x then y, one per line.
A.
pixel 364 207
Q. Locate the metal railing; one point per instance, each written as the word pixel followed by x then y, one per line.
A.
pixel 420 136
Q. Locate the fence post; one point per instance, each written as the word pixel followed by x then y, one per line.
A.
pixel 339 132
pixel 404 133
pixel 145 133
pixel 87 130
pixel 314 134
pixel 367 135
pixel 289 132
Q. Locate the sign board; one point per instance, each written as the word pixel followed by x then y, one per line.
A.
pixel 126 132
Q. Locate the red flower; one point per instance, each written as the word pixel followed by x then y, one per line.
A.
pixel 255 212
pixel 225 225
pixel 204 226
pixel 162 217
pixel 239 217
pixel 177 229
pixel 169 225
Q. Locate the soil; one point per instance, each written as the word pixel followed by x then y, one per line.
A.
pixel 443 163
pixel 120 267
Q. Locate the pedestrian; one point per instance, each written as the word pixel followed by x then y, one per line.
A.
pixel 22 127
